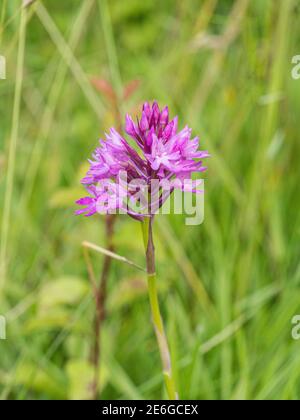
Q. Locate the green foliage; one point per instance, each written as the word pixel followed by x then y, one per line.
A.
pixel 230 287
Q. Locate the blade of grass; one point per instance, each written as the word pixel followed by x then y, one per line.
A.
pixel 48 116
pixel 214 66
pixel 185 265
pixel 111 48
pixel 2 18
pixel 112 255
pixel 70 60
pixel 261 166
pixel 12 149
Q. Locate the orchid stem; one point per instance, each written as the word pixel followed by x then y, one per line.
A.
pixel 155 310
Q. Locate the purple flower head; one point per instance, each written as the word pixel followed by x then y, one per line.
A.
pixel 161 153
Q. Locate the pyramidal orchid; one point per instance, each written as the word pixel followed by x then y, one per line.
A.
pixel 162 153
pixel 156 152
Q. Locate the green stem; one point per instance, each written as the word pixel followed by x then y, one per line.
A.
pixel 155 310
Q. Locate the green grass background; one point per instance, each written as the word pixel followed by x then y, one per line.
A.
pixel 228 288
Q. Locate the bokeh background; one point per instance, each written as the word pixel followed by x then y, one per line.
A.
pixel 228 288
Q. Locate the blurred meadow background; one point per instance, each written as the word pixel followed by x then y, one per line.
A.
pixel 228 288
